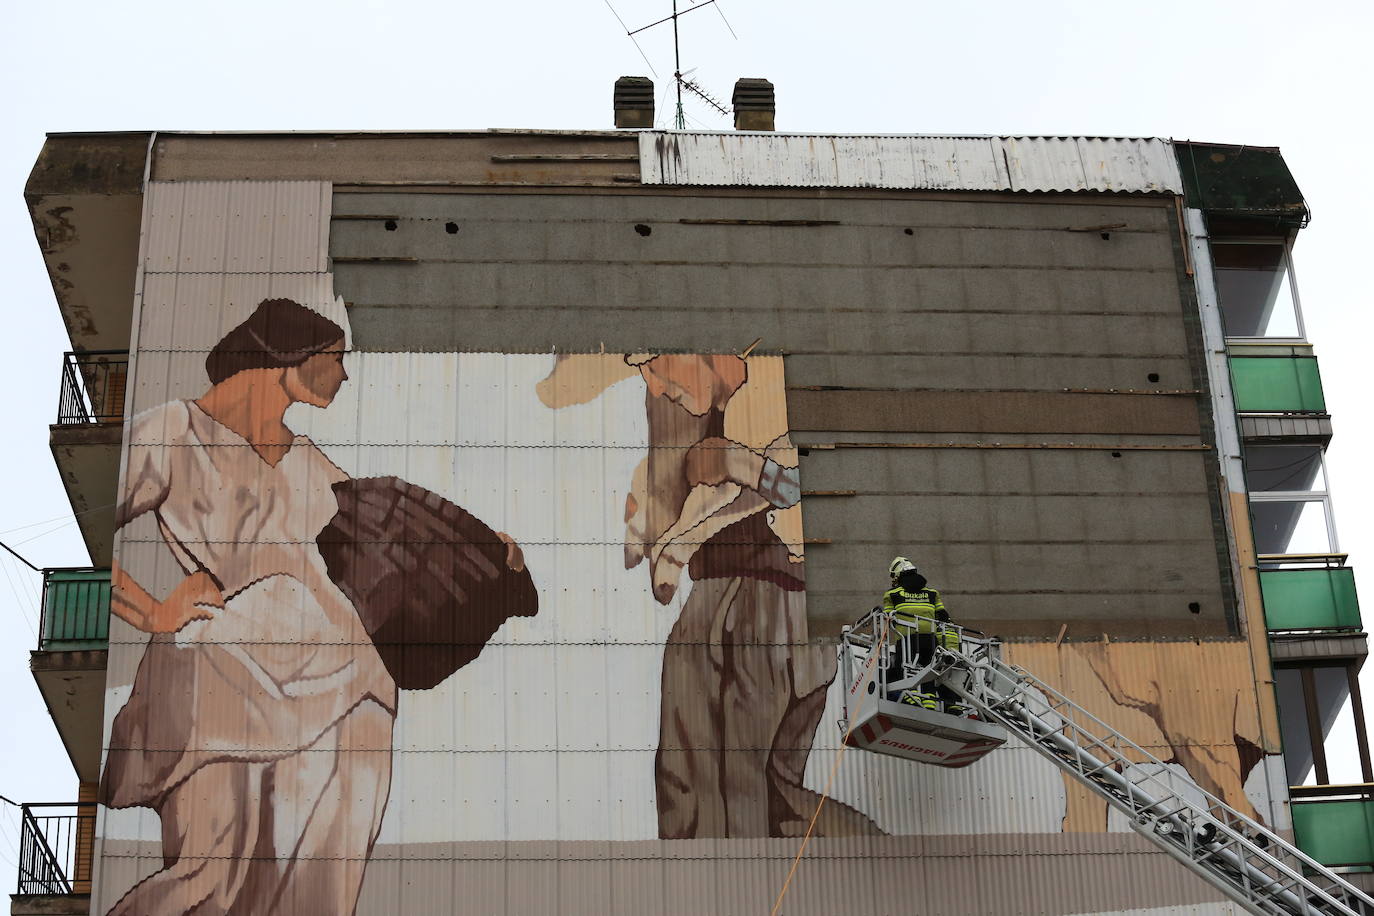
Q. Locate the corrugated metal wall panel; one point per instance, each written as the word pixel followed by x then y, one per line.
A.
pixel 1124 165
pixel 237 226
pixel 525 782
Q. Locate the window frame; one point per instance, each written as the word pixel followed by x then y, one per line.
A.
pixel 1322 496
pixel 1290 277
pixel 1303 496
pixel 1307 678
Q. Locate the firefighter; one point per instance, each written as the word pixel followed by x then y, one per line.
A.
pixel 915 614
pixel 947 636
pixel 910 608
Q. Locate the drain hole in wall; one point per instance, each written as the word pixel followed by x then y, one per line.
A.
pixel 451 228
pixel 389 225
pixel 1106 236
pixel 642 229
pixel 908 231
pixel 1153 376
pixel 1194 607
pixel 1116 454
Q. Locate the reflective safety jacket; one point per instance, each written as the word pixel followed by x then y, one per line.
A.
pixel 912 612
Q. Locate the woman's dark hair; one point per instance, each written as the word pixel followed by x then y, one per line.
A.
pixel 280 333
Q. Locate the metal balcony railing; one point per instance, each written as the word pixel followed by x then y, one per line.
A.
pixel 76 610
pixel 55 848
pixel 93 387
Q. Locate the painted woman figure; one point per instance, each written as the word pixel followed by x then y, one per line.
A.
pixel 260 721
pixel 743 686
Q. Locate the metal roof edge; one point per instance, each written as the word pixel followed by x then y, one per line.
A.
pixel 885 136
pixel 910 162
pixel 399 134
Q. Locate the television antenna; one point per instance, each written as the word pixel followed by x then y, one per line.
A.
pixel 680 79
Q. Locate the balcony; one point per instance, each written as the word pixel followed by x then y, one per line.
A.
pixel 85 441
pixel 76 610
pixel 69 664
pixel 1335 824
pixel 55 856
pixel 1309 599
pixel 1277 384
pixel 93 385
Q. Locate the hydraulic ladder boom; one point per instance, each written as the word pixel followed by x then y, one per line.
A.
pixel 1248 862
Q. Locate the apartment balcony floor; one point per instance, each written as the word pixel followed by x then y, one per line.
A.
pixel 50 904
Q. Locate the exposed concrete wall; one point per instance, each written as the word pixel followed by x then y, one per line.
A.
pixel 477 158
pixel 1053 324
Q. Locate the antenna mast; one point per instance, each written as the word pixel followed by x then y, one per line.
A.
pixel 677 72
pixel 682 82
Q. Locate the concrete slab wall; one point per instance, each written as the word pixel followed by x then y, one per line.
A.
pixel 1054 324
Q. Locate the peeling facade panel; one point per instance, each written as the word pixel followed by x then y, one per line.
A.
pixel 655 735
pixel 904 322
pixel 1117 165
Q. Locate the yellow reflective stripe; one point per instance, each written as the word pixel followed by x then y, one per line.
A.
pixel 909 615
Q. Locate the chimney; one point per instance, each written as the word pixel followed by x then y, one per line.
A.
pixel 754 104
pixel 634 102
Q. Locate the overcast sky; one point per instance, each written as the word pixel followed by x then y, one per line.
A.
pixel 1292 75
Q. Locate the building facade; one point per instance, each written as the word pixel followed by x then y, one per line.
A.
pixel 484 511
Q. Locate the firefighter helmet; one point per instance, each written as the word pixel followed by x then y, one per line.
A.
pixel 898 566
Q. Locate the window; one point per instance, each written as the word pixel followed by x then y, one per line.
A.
pixel 1290 507
pixel 1255 287
pixel 1284 469
pixel 1321 718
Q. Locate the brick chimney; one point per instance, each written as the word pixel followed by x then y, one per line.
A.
pixel 754 104
pixel 634 102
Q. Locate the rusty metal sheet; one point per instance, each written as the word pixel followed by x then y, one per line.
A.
pixel 1121 165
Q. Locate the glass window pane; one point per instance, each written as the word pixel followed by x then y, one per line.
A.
pixel 1292 468
pixel 1290 526
pixel 1297 744
pixel 1338 725
pixel 1252 284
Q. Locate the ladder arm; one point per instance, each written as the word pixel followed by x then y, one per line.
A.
pixel 1246 861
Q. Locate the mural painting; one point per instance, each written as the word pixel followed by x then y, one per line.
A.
pixel 1218 743
pixel 259 726
pixel 718 496
pixel 326 664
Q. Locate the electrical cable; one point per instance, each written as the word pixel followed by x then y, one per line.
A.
pixel 830 780
pixel 4 831
pixel 43 534
pixel 24 610
pixel 727 22
pixel 629 35
pixel 56 518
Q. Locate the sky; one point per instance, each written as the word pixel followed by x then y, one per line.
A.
pixel 1263 73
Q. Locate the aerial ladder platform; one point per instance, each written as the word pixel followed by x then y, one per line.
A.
pixel 1244 860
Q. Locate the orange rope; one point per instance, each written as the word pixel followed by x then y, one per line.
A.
pixel 834 767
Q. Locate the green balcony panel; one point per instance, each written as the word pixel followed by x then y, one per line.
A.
pixel 1335 831
pixel 1310 599
pixel 76 609
pixel 1277 384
